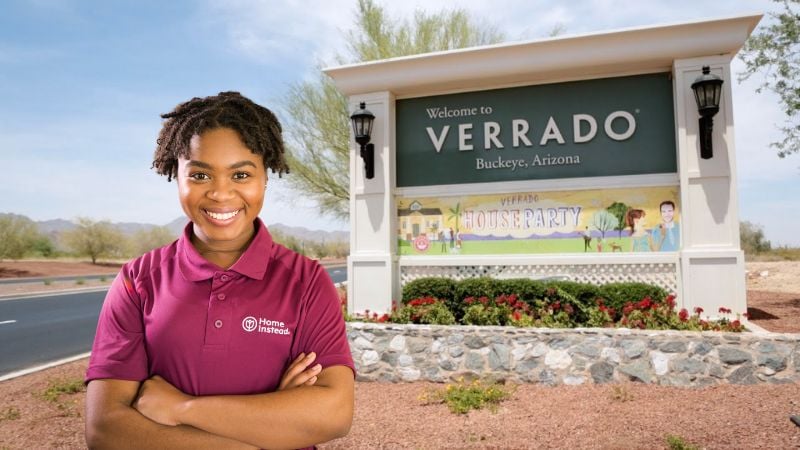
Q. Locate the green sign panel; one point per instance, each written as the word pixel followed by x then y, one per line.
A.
pixel 611 126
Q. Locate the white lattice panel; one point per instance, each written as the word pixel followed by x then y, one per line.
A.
pixel 659 274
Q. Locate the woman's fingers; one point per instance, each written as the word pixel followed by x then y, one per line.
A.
pixel 299 373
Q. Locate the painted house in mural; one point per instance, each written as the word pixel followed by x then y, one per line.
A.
pixel 416 220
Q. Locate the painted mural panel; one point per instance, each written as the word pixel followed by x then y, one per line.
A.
pixel 598 221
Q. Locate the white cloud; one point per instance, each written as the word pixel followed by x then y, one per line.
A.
pixel 268 32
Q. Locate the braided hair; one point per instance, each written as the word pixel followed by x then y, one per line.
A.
pixel 257 126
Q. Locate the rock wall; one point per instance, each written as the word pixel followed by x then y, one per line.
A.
pixel 390 352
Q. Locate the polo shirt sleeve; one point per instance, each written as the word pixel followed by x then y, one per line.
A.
pixel 323 330
pixel 118 351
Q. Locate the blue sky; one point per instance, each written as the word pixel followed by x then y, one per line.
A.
pixel 82 84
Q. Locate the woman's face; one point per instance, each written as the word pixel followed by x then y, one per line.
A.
pixel 638 223
pixel 221 187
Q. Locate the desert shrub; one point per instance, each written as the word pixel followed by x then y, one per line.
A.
pixel 616 295
pixel 436 287
pixel 463 397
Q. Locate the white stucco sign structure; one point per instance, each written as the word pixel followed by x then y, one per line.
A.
pixel 572 157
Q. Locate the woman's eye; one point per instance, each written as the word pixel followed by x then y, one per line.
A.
pixel 199 176
pixel 241 176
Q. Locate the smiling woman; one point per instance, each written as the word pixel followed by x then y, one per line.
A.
pixel 221 188
pixel 222 338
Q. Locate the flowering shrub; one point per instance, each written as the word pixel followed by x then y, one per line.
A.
pixel 427 310
pixel 502 310
pixel 653 315
pixel 555 308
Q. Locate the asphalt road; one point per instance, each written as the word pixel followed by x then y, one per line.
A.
pixel 39 330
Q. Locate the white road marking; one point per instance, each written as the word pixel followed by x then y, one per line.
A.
pixel 7 321
pixel 20 373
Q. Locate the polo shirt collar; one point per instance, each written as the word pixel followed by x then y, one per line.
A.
pixel 252 263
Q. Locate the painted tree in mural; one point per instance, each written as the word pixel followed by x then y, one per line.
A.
pixel 618 209
pixel 317 115
pixel 775 51
pixel 455 214
pixel 603 221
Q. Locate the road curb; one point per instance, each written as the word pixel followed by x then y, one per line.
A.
pixel 49 365
pixel 39 294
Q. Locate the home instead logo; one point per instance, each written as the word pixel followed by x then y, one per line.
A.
pixel 266 326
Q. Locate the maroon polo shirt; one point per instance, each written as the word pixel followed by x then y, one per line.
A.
pixel 210 331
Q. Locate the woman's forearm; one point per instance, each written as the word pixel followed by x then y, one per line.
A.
pixel 111 423
pixel 292 418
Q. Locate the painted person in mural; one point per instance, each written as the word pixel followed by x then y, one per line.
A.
pixel 641 240
pixel 224 338
pixel 587 240
pixel 666 236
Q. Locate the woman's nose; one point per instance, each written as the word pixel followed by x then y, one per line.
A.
pixel 221 190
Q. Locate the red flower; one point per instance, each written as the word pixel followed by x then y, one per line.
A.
pixel 645 303
pixel 568 309
pixel 683 315
pixel 746 315
pixel 556 306
pixel 736 324
pixel 724 310
pixel 698 310
pixel 383 318
pixel 670 301
pixel 516 315
pixel 628 308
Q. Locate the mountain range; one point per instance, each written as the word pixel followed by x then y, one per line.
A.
pixel 56 226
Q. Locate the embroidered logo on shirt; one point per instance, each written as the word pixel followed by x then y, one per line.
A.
pixel 266 326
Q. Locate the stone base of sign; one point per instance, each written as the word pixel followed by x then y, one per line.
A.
pixel 396 353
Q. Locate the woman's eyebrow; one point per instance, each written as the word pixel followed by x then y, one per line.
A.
pixel 236 165
pixel 242 164
pixel 201 164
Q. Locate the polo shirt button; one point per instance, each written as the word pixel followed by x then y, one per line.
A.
pixel 218 323
pixel 221 296
pixel 224 278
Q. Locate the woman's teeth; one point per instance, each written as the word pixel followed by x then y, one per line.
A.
pixel 223 216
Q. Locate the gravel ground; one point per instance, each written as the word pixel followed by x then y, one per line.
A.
pixel 391 416
pixel 598 417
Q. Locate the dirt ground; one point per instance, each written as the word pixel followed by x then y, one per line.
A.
pixel 591 416
pixel 27 269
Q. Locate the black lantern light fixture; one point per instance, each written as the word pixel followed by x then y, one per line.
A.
pixel 362 128
pixel 707 91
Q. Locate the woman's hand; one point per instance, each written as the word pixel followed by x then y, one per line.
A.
pixel 160 401
pixel 299 373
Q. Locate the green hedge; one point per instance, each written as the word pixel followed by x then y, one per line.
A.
pixel 436 287
pixel 616 295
